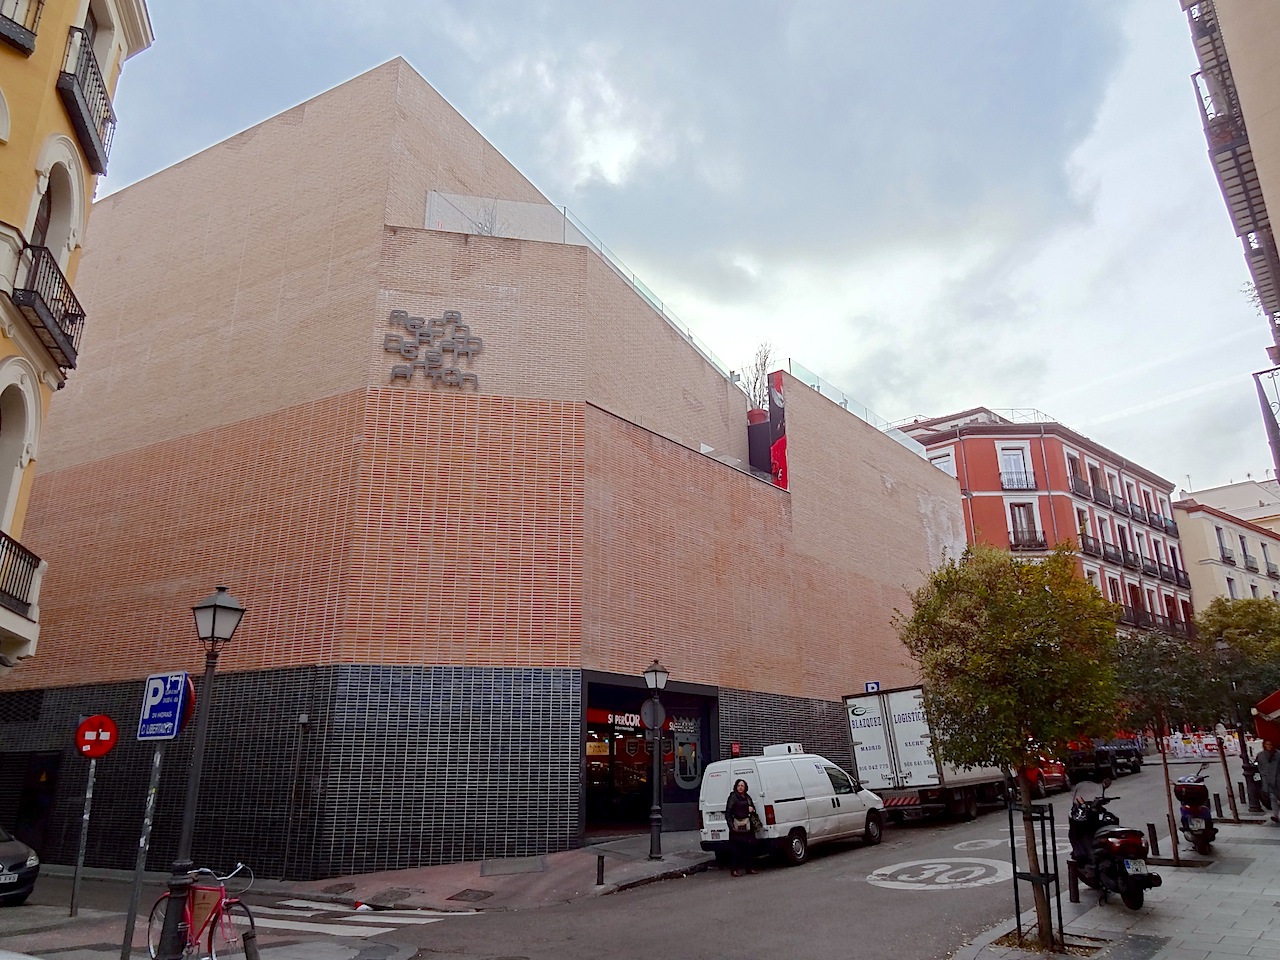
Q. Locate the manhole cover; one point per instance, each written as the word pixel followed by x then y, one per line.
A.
pixel 391 896
pixel 472 895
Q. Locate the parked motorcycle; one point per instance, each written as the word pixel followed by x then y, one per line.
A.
pixel 1108 857
pixel 1197 818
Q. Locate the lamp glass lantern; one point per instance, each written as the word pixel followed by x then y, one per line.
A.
pixel 217 617
pixel 655 677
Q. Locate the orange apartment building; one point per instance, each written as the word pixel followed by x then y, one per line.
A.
pixel 467 479
pixel 1029 484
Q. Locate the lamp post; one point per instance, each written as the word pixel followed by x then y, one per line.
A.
pixel 655 678
pixel 217 617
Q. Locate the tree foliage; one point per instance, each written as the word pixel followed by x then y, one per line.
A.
pixel 1012 653
pixel 1164 678
pixel 1242 640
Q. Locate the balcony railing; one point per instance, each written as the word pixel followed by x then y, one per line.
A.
pixel 19 20
pixel 1170 528
pixel 1251 562
pixel 1132 560
pixel 1273 571
pixel 1137 512
pixel 1090 545
pixel 84 94
pixel 1135 617
pixel 1111 552
pixel 1119 505
pixel 1228 555
pixel 46 300
pixel 1027 540
pixel 1079 486
pixel 1181 577
pixel 1150 567
pixel 1167 573
pixel 18 568
pixel 1017 480
pixel 1100 495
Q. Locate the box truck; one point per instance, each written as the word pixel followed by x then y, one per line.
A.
pixel 895 758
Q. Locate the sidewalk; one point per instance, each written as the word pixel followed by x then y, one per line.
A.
pixel 1224 907
pixel 507 884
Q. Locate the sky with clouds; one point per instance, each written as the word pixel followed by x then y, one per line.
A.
pixel 931 205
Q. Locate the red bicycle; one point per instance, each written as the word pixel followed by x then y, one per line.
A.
pixel 211 916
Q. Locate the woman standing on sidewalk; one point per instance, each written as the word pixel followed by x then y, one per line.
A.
pixel 738 813
pixel 1268 762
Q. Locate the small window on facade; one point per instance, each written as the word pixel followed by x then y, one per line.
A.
pixel 1114 586
pixel 944 462
pixel 1231 589
pixel 1253 590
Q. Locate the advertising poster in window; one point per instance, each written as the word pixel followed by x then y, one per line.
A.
pixel 777 431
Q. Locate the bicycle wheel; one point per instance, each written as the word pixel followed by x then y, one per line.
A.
pixel 155 926
pixel 226 934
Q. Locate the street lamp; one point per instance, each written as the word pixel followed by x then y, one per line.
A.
pixel 217 617
pixel 655 678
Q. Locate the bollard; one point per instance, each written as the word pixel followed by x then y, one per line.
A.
pixel 1240 790
pixel 1155 839
pixel 1217 805
pixel 1073 882
pixel 599 869
pixel 250 941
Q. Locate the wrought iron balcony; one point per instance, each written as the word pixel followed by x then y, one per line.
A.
pixel 1273 571
pixel 1135 616
pixel 1132 560
pixel 1111 552
pixel 1090 545
pixel 1017 480
pixel 1251 562
pixel 1027 540
pixel 1079 486
pixel 18 569
pixel 1119 505
pixel 1170 528
pixel 1228 555
pixel 1137 512
pixel 84 94
pixel 46 300
pixel 1150 567
pixel 1167 573
pixel 1154 518
pixel 1181 577
pixel 19 20
pixel 1101 495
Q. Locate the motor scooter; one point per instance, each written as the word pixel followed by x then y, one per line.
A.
pixel 1108 857
pixel 1197 818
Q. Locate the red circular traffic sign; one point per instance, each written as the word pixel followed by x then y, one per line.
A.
pixel 96 736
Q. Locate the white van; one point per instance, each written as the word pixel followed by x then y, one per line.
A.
pixel 801 798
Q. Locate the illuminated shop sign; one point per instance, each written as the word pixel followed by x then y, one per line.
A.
pixel 432 346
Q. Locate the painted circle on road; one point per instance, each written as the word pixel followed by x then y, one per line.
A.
pixel 954 873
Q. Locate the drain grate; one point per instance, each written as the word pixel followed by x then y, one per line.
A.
pixel 472 896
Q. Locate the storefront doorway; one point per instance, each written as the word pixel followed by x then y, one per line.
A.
pixel 619 758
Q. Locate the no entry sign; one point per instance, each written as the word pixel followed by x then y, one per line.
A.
pixel 96 736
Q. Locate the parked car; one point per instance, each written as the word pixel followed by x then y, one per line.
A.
pixel 1048 774
pixel 19 866
pixel 1126 753
pixel 802 798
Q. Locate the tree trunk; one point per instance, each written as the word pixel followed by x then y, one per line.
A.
pixel 1044 917
pixel 1168 799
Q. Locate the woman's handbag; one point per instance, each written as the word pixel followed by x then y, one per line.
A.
pixel 741 826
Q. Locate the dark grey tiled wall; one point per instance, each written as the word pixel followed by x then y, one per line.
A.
pixel 757 719
pixel 396 767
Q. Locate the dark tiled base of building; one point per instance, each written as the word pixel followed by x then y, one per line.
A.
pixel 325 771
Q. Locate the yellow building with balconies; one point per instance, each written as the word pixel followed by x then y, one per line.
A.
pixel 59 63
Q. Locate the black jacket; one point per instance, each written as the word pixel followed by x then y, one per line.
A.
pixel 738 807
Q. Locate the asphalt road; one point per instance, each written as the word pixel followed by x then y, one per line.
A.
pixel 929 888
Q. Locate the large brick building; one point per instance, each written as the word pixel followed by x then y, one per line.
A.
pixel 468 483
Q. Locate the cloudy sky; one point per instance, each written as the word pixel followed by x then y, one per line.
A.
pixel 932 205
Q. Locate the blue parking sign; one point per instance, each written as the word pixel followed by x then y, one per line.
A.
pixel 163 703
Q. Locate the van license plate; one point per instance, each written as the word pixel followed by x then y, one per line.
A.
pixel 718 834
pixel 1195 823
pixel 1135 866
pixel 8 878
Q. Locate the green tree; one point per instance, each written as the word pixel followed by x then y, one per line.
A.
pixel 1242 638
pixel 1016 656
pixel 1162 679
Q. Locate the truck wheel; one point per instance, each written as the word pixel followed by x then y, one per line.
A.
pixel 796 851
pixel 875 829
pixel 970 800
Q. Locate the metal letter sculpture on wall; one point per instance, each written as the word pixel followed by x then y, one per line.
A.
pixel 424 345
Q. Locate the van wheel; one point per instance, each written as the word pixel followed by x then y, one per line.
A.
pixel 796 851
pixel 874 832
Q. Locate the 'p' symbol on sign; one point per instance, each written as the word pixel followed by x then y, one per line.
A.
pixel 163 699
